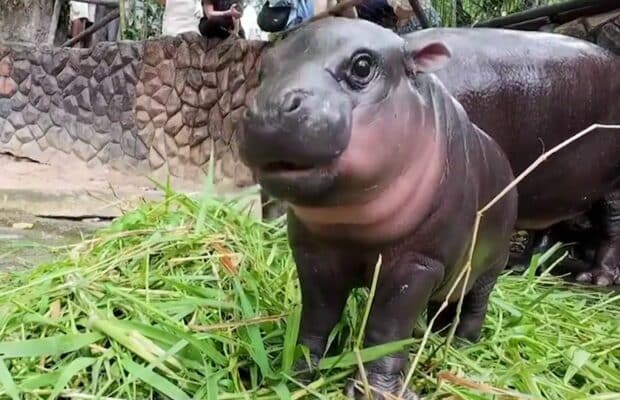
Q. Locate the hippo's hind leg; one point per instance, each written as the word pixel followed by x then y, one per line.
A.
pixel 473 311
pixel 606 271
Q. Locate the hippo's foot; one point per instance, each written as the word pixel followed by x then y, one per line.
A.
pixel 305 373
pixel 600 276
pixel 382 386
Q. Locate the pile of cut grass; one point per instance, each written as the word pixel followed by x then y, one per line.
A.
pixel 194 299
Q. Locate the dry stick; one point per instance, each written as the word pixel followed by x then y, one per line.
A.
pixel 99 2
pixel 54 22
pixel 123 23
pixel 360 336
pixel 467 268
pixel 112 15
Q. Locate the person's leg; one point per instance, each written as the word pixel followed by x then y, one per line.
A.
pixel 88 39
pixel 78 15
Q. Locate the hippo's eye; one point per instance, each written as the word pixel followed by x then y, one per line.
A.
pixel 361 71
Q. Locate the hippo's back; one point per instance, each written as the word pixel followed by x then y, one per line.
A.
pixel 530 91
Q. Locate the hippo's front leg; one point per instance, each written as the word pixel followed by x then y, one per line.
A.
pixel 325 287
pixel 403 291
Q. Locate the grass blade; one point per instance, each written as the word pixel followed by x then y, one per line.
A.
pixel 68 372
pixel 7 381
pixel 155 380
pixel 49 346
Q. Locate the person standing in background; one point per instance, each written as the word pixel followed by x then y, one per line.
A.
pixel 82 16
pixel 110 32
pixel 220 18
pixel 180 16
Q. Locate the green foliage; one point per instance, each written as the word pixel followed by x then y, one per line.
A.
pixel 144 19
pixel 468 12
pixel 195 299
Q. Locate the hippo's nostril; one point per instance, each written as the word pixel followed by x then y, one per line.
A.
pixel 292 102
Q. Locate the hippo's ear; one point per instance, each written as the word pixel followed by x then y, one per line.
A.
pixel 429 58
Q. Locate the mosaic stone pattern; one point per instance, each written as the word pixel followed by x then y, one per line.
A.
pixel 162 106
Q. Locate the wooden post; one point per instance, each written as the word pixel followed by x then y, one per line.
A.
pixel 54 22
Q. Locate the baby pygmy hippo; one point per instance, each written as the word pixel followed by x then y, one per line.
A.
pixel 373 156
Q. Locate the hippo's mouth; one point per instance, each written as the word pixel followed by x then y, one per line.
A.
pixel 285 166
pixel 293 169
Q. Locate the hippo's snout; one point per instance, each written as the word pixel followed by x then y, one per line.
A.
pixel 290 137
pixel 298 128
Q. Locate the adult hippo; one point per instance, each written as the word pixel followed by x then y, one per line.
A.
pixel 374 157
pixel 530 91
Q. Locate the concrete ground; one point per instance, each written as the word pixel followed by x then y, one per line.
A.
pixel 55 205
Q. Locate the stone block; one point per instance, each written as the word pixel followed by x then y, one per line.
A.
pixel 18 101
pixel 21 70
pixel 222 81
pixel 238 98
pixel 70 105
pixel 8 87
pixel 83 151
pixel 199 154
pixel 162 94
pixel 174 103
pixel 207 97
pixel 36 132
pixel 236 77
pixel 44 122
pixel 225 102
pixel 24 135
pixel 65 77
pixel 189 114
pixel 609 37
pixel 6 66
pixel 174 124
pixel 194 78
pixel 190 96
pixel 6 131
pixel 153 52
pixel 30 114
pixel 182 56
pixel 5 108
pixel 156 160
pixel 215 122
pixel 180 80
pixel 17 120
pixel 59 139
pixel 182 137
pixel 167 72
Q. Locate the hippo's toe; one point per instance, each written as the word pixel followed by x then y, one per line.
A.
pixel 381 386
pixel 305 373
pixel 600 276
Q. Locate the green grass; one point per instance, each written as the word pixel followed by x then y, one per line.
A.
pixel 188 299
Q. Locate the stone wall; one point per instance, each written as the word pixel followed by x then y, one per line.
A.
pixel 160 106
pixel 602 29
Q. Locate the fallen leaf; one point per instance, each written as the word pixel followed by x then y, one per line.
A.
pixel 22 225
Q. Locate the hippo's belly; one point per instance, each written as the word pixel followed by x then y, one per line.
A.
pixel 531 92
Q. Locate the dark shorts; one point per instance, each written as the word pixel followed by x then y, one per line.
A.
pixel 217 27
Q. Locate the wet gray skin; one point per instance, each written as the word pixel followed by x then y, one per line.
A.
pixel 373 156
